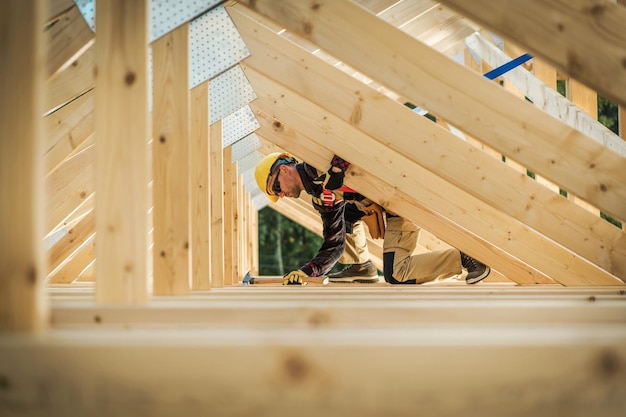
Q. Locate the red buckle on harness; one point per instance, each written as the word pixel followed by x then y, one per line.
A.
pixel 328 198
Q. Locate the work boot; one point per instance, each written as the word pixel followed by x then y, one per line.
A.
pixel 476 270
pixel 365 272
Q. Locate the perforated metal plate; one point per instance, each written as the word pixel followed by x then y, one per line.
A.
pixel 238 125
pixel 249 162
pixel 246 146
pixel 165 15
pixel 229 92
pixel 214 45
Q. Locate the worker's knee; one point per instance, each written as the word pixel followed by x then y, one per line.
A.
pixel 388 264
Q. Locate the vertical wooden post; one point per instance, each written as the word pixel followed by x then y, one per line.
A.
pixel 217 205
pixel 254 216
pixel 200 207
pixel 170 167
pixel 229 272
pixel 22 271
pixel 547 74
pixel 121 120
pixel 241 231
pixel 587 99
pixel 235 179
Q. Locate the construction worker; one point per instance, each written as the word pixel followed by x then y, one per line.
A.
pixel 281 175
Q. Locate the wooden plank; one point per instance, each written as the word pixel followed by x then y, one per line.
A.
pixel 392 198
pixel 460 96
pixel 68 187
pixel 122 152
pixel 67 129
pixel 170 56
pixel 216 154
pixel 239 216
pixel 67 40
pixel 321 371
pixel 419 185
pixel 200 191
pixel 487 179
pixel 76 79
pixel 22 305
pixel 586 39
pixel 57 8
pixel 237 267
pixel 70 243
pixel 229 166
pixel 587 100
pixel 544 96
pixel 74 267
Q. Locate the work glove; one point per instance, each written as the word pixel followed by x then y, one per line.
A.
pixel 295 278
pixel 339 163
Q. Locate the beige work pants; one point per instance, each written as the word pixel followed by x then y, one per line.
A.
pixel 356 251
pixel 400 239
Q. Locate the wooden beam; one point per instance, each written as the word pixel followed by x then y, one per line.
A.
pixel 327 362
pixel 543 94
pixel 301 211
pixel 425 191
pixel 461 96
pixel 65 247
pixel 122 152
pixel 74 80
pixel 583 38
pixel 229 239
pixel 216 172
pixel 71 270
pixel 55 9
pixel 22 306
pixel 170 168
pixel 67 40
pixel 430 146
pixel 200 191
pixel 67 130
pixel 236 248
pixel 391 197
pixel 68 187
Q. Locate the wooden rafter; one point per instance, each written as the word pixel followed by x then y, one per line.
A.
pixel 463 97
pixel 432 147
pixel 565 33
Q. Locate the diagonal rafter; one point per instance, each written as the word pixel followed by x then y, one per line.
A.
pixel 468 100
pixel 432 147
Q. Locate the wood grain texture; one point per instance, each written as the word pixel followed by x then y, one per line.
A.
pixel 200 189
pixel 22 305
pixel 216 184
pixel 121 166
pixel 434 148
pixel 583 38
pixel 170 168
pixel 464 98
pixel 477 221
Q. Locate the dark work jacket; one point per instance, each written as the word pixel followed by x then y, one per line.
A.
pixel 338 215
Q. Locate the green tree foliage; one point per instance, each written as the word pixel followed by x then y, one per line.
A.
pixel 283 244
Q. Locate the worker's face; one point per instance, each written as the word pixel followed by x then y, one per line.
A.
pixel 286 182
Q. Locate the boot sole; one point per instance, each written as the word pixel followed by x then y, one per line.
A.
pixel 479 278
pixel 361 280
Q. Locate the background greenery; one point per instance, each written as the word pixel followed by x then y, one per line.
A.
pixel 285 245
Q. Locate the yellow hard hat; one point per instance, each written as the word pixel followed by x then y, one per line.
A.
pixel 265 169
